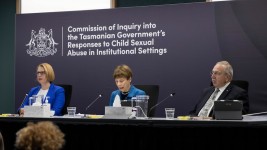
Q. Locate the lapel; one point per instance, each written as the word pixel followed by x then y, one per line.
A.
pixel 49 93
pixel 207 96
pixel 204 98
pixel 225 92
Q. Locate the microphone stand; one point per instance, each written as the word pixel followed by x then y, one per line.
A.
pixel 171 95
pixel 93 102
pixel 22 104
pixel 24 99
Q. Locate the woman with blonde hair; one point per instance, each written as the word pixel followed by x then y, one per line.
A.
pixel 46 90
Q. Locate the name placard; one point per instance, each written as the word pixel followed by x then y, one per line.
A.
pixel 37 111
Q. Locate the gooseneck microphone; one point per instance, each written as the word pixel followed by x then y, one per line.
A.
pixel 18 111
pixel 100 95
pixel 24 99
pixel 171 95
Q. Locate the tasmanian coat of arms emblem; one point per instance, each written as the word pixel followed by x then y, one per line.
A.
pixel 41 44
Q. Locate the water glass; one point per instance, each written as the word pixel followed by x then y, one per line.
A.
pixel 169 113
pixel 71 111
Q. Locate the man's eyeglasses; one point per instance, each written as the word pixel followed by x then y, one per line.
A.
pixel 216 73
pixel 40 72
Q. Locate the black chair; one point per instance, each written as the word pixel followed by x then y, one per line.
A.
pixel 240 83
pixel 68 93
pixel 153 92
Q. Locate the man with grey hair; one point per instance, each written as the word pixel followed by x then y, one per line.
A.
pixel 222 89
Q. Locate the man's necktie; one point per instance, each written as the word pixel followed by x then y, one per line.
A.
pixel 205 111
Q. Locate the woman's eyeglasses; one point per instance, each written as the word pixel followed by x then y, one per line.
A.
pixel 40 73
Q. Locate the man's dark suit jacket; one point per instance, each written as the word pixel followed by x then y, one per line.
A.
pixel 231 92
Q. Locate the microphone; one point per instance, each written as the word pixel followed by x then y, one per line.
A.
pixel 171 95
pixel 24 99
pixel 93 101
pixel 18 111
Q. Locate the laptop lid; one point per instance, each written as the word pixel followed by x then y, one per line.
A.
pixel 228 110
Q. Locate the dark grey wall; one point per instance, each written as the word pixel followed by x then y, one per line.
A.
pixel 7 31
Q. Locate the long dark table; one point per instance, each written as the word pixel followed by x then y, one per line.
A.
pixel 155 133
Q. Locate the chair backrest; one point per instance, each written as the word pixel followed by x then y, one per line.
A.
pixel 153 92
pixel 68 93
pixel 241 83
